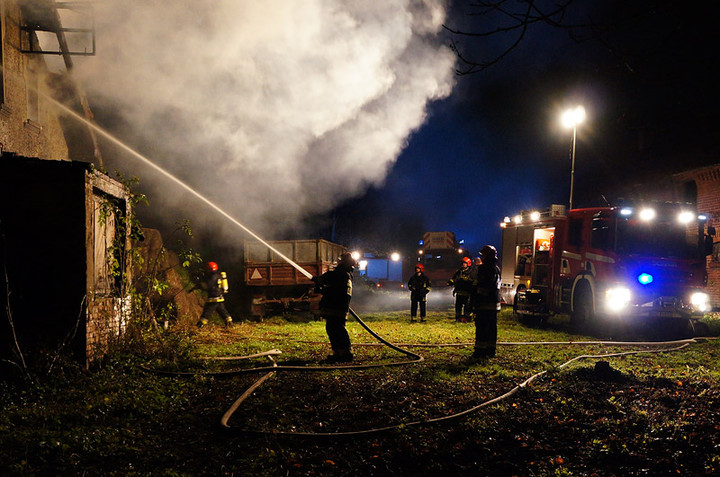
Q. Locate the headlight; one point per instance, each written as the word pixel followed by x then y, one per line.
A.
pixel 617 298
pixel 700 301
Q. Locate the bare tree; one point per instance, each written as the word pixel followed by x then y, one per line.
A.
pixel 509 20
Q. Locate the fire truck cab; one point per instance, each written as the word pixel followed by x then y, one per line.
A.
pixel 440 254
pixel 627 263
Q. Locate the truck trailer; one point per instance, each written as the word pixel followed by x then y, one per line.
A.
pixel 278 287
pixel 633 263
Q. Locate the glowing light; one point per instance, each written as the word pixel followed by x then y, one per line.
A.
pixel 394 256
pixel 460 250
pixel 626 211
pixel 572 117
pixel 363 264
pixel 356 255
pixel 617 298
pixel 517 219
pixel 702 217
pixel 506 220
pixel 420 252
pixel 645 278
pixel 685 217
pixel 535 216
pixel 647 214
pixel 700 301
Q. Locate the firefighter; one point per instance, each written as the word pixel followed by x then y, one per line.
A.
pixel 462 282
pixel 216 285
pixel 477 261
pixel 487 303
pixel 419 286
pixel 336 289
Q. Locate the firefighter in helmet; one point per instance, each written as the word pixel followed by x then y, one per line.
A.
pixel 419 286
pixel 487 303
pixel 216 285
pixel 335 286
pixel 462 282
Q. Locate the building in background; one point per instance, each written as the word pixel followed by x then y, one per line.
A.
pixel 702 187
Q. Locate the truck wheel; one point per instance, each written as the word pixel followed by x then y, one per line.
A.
pixel 516 317
pixel 582 312
pixel 699 328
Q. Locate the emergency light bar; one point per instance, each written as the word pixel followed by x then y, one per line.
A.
pixel 647 214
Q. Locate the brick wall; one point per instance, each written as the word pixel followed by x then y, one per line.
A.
pixel 707 181
pixel 32 130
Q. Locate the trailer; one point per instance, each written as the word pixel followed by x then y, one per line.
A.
pixel 626 264
pixel 277 287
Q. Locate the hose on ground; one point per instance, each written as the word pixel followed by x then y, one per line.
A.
pixel 416 358
pixel 226 417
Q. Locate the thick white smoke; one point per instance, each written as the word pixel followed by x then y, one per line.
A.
pixel 276 109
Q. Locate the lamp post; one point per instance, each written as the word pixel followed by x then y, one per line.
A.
pixel 571 118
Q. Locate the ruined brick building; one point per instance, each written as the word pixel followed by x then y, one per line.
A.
pixel 62 223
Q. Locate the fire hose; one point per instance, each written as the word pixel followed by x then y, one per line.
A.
pixel 274 368
pixel 224 421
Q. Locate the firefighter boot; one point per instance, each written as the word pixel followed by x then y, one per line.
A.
pixel 228 322
pixel 202 322
pixel 340 356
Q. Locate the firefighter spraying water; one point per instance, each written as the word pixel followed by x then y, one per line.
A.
pixel 336 289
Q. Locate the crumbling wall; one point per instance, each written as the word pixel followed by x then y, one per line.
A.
pixel 29 122
pixel 165 265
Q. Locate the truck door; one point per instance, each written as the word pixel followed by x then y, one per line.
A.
pixel 541 259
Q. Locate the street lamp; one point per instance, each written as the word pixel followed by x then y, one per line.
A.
pixel 570 119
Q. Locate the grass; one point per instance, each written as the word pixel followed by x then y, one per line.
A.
pixel 120 420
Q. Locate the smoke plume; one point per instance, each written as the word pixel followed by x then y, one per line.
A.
pixel 275 109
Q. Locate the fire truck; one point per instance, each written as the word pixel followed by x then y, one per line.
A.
pixel 440 254
pixel 633 263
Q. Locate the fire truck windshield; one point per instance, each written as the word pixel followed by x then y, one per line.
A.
pixel 434 261
pixel 656 238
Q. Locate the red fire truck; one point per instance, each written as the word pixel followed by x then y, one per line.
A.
pixel 440 254
pixel 634 263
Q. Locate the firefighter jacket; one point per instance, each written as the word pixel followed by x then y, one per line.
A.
pixel 336 289
pixel 487 286
pixel 215 286
pixel 419 286
pixel 462 281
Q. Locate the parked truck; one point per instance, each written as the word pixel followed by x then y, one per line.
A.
pixel 627 263
pixel 278 287
pixel 440 254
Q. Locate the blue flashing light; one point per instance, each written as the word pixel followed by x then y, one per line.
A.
pixel 645 278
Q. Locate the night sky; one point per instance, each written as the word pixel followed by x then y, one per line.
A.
pixel 647 74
